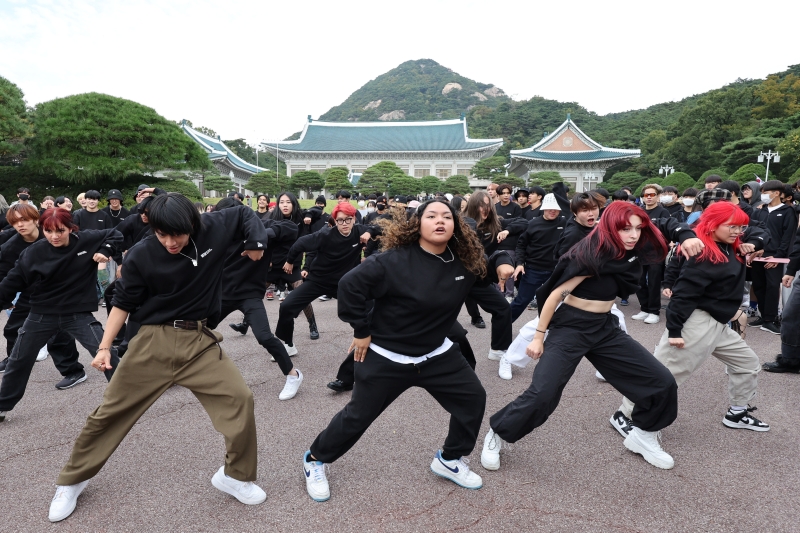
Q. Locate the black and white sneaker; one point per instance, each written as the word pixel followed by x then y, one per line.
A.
pixel 621 423
pixel 325 298
pixel 744 420
pixel 771 327
pixel 71 380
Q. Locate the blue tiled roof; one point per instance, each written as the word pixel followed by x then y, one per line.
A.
pixel 217 150
pixel 444 135
pixel 576 156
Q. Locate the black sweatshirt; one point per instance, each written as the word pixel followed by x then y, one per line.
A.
pixel 87 220
pixel 514 226
pixel 714 288
pixel 9 253
pixel 417 298
pixel 158 287
pixel 511 210
pixel 537 244
pixel 116 217
pixel 573 234
pixel 243 278
pixel 62 280
pixel 335 254
pixel 659 211
pixel 782 226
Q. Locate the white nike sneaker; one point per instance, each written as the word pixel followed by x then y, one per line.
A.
pixel 641 316
pixel 490 455
pixel 316 481
pixel 246 492
pixel 65 500
pixel 456 471
pixel 42 354
pixel 496 355
pixel 652 319
pixel 292 384
pixel 505 369
pixel 646 444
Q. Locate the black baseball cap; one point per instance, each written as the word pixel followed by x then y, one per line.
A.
pixel 114 194
pixel 401 199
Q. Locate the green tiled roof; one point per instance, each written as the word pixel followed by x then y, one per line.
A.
pixel 444 135
pixel 571 157
pixel 217 150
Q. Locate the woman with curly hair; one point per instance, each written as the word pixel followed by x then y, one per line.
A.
pixel 418 285
pixel 604 265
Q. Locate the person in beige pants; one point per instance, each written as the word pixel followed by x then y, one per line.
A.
pixel 705 296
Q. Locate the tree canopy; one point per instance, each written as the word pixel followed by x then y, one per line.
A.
pixel 269 182
pixel 430 184
pixel 15 128
pixel 378 178
pixel 456 184
pixel 307 180
pixel 219 183
pixel 404 185
pixel 336 180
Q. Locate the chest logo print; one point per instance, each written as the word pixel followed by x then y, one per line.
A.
pixel 206 252
pixel 81 253
pixel 459 278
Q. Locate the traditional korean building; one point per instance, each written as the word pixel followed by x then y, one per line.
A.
pixel 581 161
pixel 223 158
pixel 439 148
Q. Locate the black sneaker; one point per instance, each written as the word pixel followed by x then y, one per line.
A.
pixel 479 323
pixel 782 366
pixel 240 328
pixel 744 420
pixel 623 302
pixel 621 423
pixel 340 386
pixel 771 327
pixel 71 380
pixel 756 323
pixel 3 364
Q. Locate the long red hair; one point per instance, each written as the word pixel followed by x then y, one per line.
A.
pixel 713 217
pixel 56 217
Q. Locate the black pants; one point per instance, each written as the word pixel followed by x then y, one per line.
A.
pixel 108 296
pixel 379 382
pixel 298 300
pixel 33 334
pixel 457 334
pixel 495 304
pixel 649 293
pixel 622 361
pixel 472 309
pixel 766 286
pixel 60 346
pixel 256 316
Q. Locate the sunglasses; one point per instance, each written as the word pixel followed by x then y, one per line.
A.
pixel 649 195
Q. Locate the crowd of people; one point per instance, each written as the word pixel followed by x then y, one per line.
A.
pixel 168 271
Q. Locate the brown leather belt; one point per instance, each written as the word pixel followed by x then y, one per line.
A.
pixel 192 325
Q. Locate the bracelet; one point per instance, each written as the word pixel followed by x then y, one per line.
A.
pixel 540 331
pixel 109 349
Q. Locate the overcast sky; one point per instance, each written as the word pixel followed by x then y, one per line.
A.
pixel 257 69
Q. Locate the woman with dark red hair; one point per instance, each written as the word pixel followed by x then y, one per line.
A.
pixel 705 297
pixel 575 315
pixel 62 274
pixel 330 254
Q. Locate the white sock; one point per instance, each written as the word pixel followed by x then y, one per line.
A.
pixel 738 408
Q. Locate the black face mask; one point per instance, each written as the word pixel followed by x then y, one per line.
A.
pixel 381 207
pixel 24 197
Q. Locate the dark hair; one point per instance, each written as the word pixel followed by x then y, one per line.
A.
pixel 787 190
pixel 54 217
pixel 23 190
pixel 714 178
pixel 626 188
pixel 321 200
pixel 225 203
pixel 504 186
pixel 489 225
pixel 91 195
pixel 604 243
pixel 585 201
pixel 200 205
pixel 620 195
pixel 730 185
pixel 537 190
pixel 61 199
pixel 343 194
pixel 25 212
pixel 691 191
pixel 456 203
pixel 236 194
pixel 772 185
pixel 174 214
pixel 670 188
pixel 297 213
pixel 264 195
pixel 603 192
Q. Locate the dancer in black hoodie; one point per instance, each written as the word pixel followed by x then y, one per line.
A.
pixel 61 274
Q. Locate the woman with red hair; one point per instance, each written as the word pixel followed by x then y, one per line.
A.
pixel 706 295
pixel 575 314
pixel 330 254
pixel 61 273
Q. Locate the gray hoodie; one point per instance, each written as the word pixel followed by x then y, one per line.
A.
pixel 754 186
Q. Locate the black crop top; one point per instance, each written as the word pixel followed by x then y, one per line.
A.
pixel 603 288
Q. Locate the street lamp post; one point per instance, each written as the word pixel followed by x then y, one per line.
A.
pixel 769 156
pixel 666 170
pixel 590 177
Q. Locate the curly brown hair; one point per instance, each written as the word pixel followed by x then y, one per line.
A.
pixel 403 231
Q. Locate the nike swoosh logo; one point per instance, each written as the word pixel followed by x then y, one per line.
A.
pixel 453 470
pixel 308 472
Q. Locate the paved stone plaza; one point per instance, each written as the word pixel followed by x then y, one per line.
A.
pixel 572 474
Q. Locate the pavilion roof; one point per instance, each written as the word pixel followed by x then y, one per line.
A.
pixel 217 151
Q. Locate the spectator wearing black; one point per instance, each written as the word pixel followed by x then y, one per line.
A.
pixel 521 196
pixel 688 205
pixel 115 211
pixel 23 196
pixel 649 293
pixel 620 196
pixel 505 207
pixel 781 223
pixel 535 196
pixel 669 200
pixel 712 181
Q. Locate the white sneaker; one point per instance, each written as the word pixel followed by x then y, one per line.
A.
pixel 282 296
pixel 292 384
pixel 641 316
pixel 246 492
pixel 65 500
pixel 316 481
pixel 598 375
pixel 291 351
pixel 496 355
pixel 490 455
pixel 652 319
pixel 646 444
pixel 42 354
pixel 509 299
pixel 456 471
pixel 505 369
